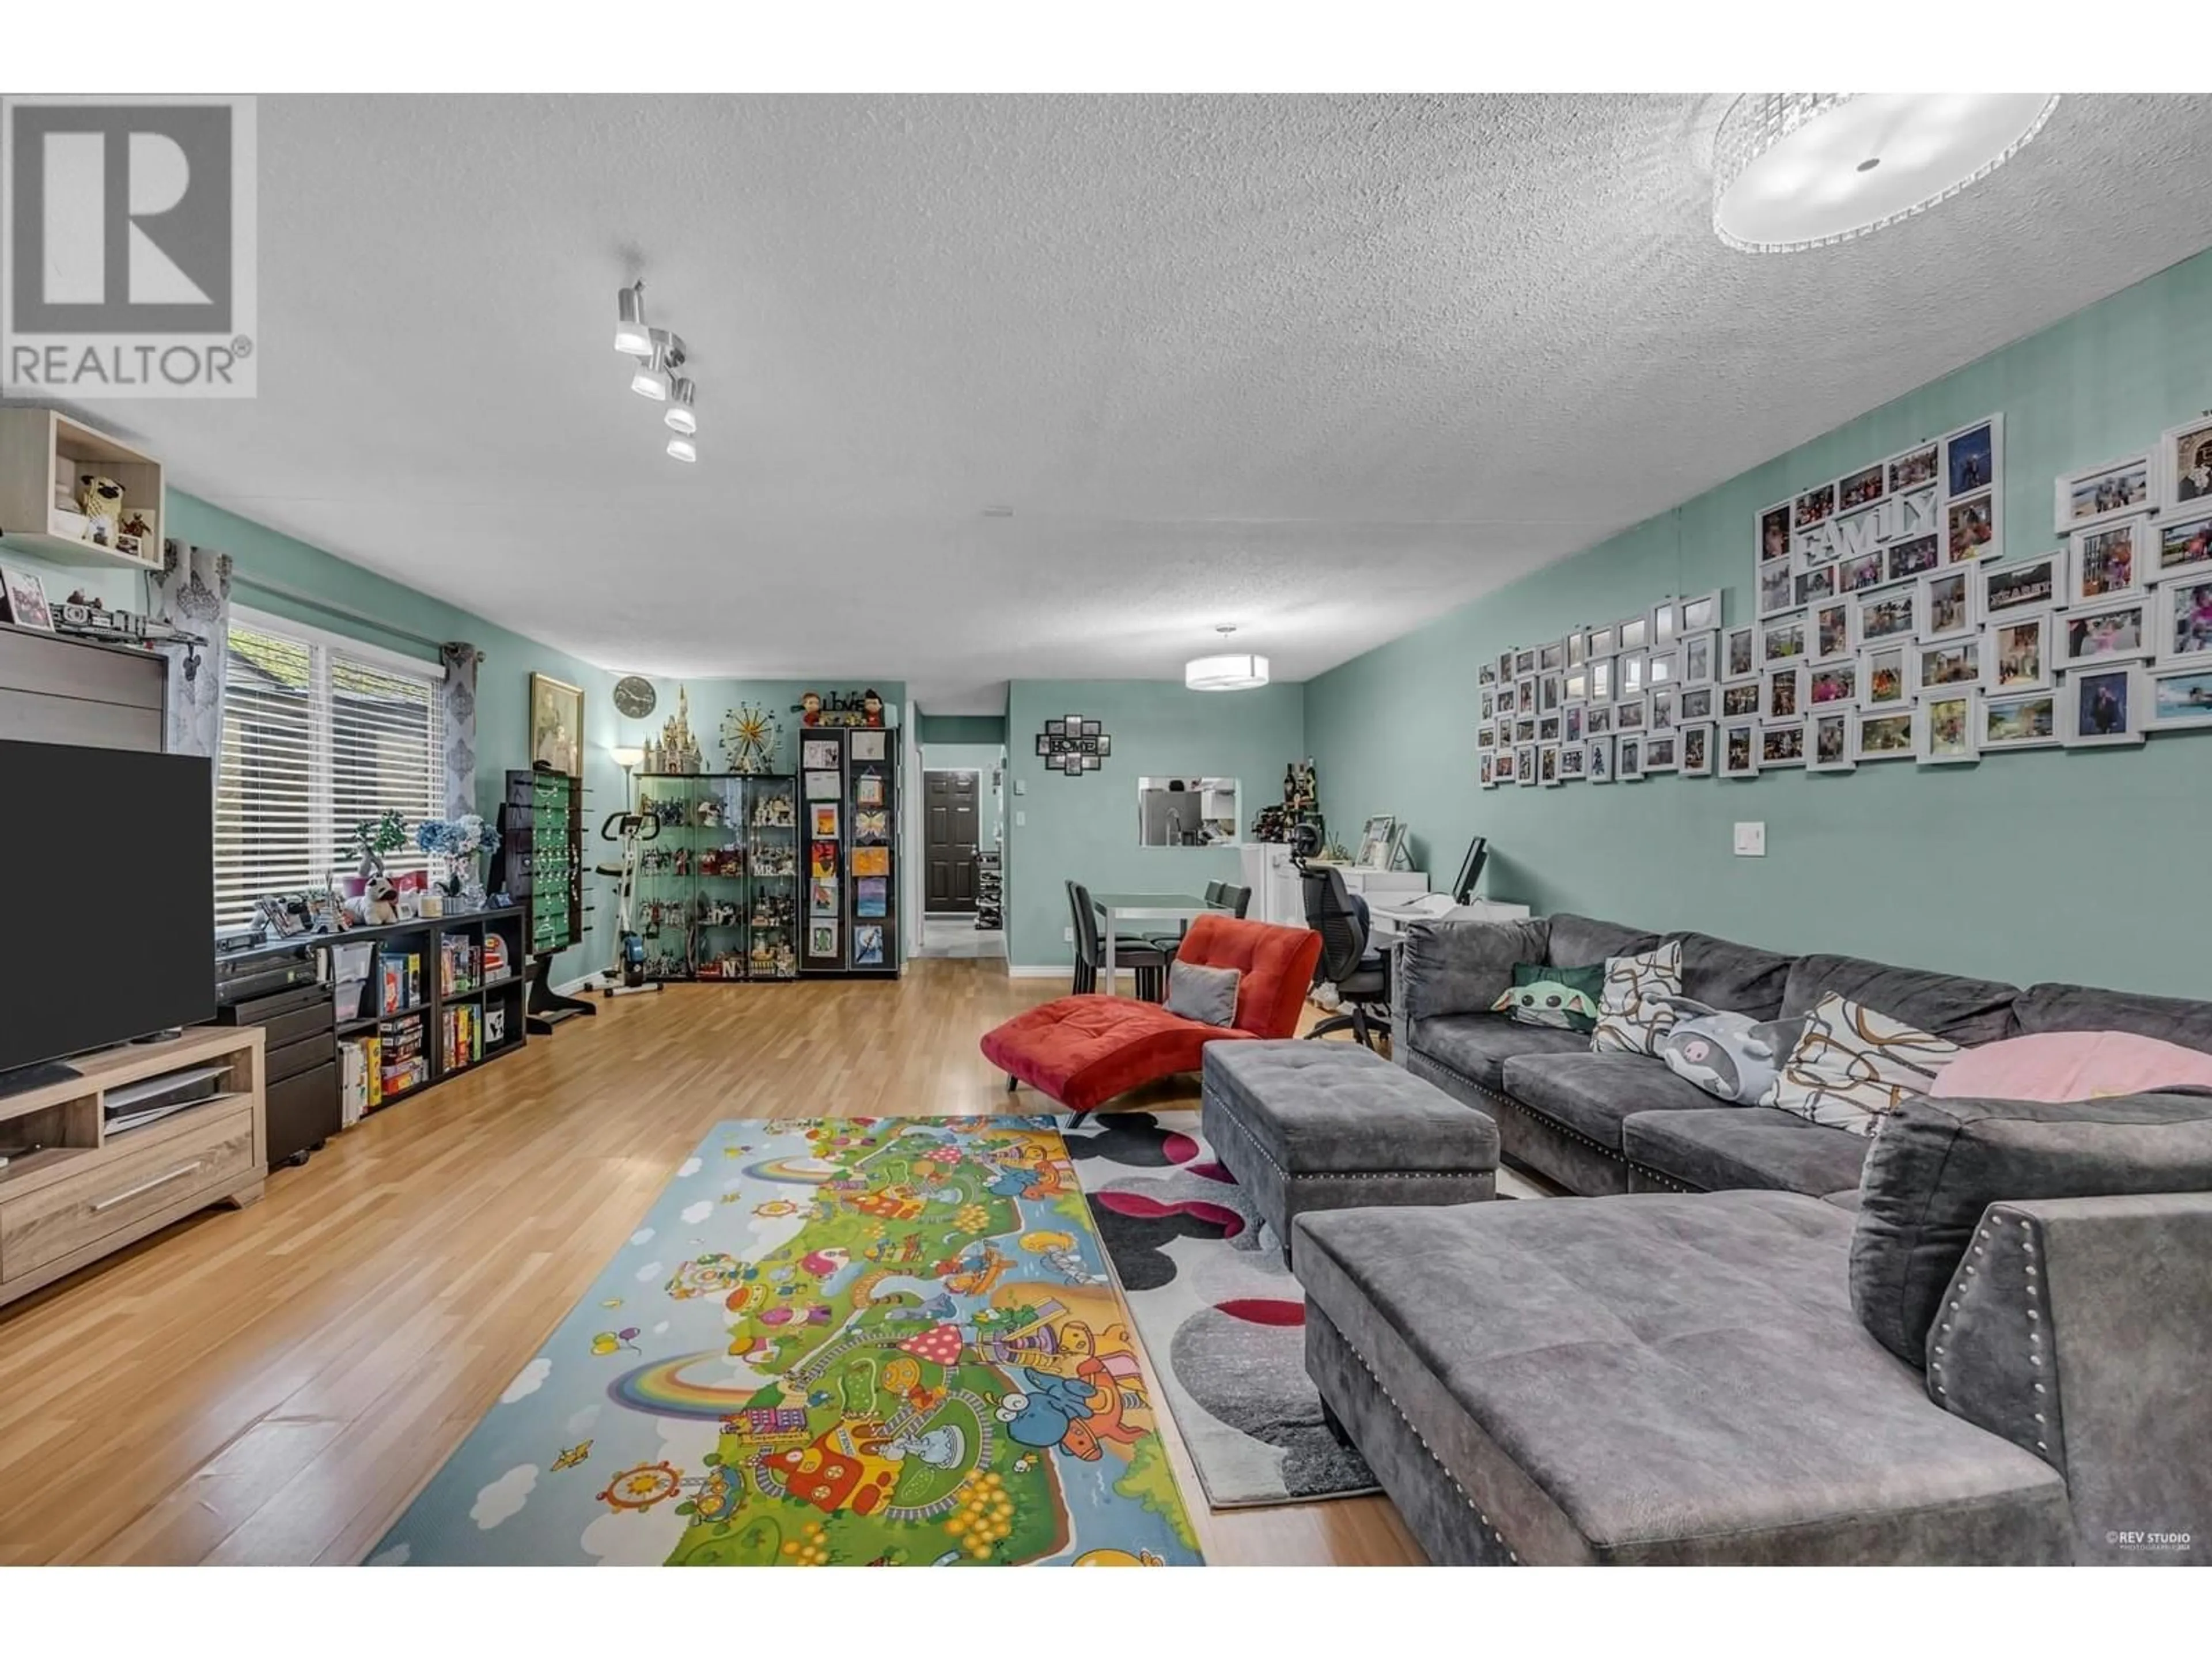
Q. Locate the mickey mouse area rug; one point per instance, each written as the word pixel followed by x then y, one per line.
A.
pixel 1222 1320
pixel 855 1342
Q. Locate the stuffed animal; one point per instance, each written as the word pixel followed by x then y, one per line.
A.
pixel 100 499
pixel 377 905
pixel 1731 1056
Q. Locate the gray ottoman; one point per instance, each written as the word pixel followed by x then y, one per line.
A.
pixel 1332 1126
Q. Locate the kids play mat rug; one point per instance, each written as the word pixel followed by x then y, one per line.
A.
pixel 852 1341
pixel 1222 1320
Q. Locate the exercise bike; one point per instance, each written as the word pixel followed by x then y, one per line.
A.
pixel 626 973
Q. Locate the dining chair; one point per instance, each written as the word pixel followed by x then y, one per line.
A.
pixel 1143 957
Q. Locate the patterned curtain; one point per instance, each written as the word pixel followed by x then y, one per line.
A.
pixel 192 593
pixel 461 662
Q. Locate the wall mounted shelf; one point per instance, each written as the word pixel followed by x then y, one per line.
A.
pixel 42 452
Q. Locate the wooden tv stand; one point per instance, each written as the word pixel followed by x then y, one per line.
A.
pixel 86 1194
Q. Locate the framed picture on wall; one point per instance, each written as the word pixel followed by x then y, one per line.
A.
pixel 1573 762
pixel 1697 655
pixel 2102 708
pixel 2178 700
pixel 1551 658
pixel 2108 561
pixel 2026 722
pixel 2019 655
pixel 1946 666
pixel 2028 585
pixel 2182 611
pixel 1701 612
pixel 1696 752
pixel 1628 760
pixel 1738 749
pixel 1882 678
pixel 2104 631
pixel 2100 494
pixel 1832 740
pixel 1948 605
pixel 1773 535
pixel 1740 653
pixel 1604 642
pixel 1486 773
pixel 1666 621
pixel 556 723
pixel 2184 466
pixel 1781 745
pixel 1912 469
pixel 1597 720
pixel 1695 703
pixel 1886 736
pixel 1547 765
pixel 1944 729
pixel 1782 640
pixel 2185 544
pixel 1597 760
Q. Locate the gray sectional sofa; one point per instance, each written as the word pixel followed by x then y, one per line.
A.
pixel 1600 1123
pixel 1978 1337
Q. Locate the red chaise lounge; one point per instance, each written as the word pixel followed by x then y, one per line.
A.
pixel 1081 1050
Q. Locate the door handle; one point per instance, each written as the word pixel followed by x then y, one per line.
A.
pixel 145 1187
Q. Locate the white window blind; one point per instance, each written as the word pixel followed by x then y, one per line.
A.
pixel 317 736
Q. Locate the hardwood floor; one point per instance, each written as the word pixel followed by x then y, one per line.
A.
pixel 274 1384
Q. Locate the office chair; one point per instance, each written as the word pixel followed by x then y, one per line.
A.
pixel 1362 980
pixel 1148 960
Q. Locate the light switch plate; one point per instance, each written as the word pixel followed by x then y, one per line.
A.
pixel 1021 820
pixel 1751 840
pixel 1021 785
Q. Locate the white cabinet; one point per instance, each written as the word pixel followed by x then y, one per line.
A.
pixel 1278 896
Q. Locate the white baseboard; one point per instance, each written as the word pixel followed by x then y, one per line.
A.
pixel 1048 970
pixel 573 987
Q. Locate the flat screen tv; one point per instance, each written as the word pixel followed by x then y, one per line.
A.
pixel 107 916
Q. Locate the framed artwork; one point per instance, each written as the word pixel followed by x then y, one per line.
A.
pixel 1486 737
pixel 1597 720
pixel 1773 534
pixel 821 898
pixel 1635 673
pixel 1833 684
pixel 822 785
pixel 1636 634
pixel 1887 613
pixel 1697 750
pixel 1783 694
pixel 1488 675
pixel 2184 466
pixel 1695 703
pixel 868 945
pixel 1664 668
pixel 2102 708
pixel 1947 666
pixel 1575 683
pixel 1738 749
pixel 1578 647
pixel 1832 740
pixel 2183 545
pixel 815 753
pixel 1813 506
pixel 1661 752
pixel 1776 589
pixel 1886 736
pixel 2028 721
pixel 2030 585
pixel 1861 489
pixel 1782 640
pixel 822 860
pixel 1552 657
pixel 1810 585
pixel 1524 766
pixel 1740 653
pixel 2183 613
pixel 1660 713
pixel 821 938
pixel 1629 715
pixel 2104 632
pixel 1524 729
pixel 1570 718
pixel 1943 729
pixel 1524 694
pixel 1374 843
pixel 1602 670
pixel 1781 745
pixel 1485 775
pixel 556 717
pixel 824 814
pixel 1547 728
pixel 869 745
pixel 1741 702
pixel 2100 494
pixel 1597 760
pixel 1832 638
pixel 1628 759
pixel 1950 603
pixel 1912 469
pixel 2178 700
pixel 1547 766
pixel 1970 529
pixel 1604 642
pixel 1505 666
pixel 1863 570
pixel 1551 692
pixel 2017 656
pixel 1524 662
pixel 1573 759
pixel 1908 559
pixel 1697 653
pixel 1882 679
pixel 2108 561
pixel 1702 613
pixel 872 860
pixel 1666 621
pixel 1489 704
pixel 1970 456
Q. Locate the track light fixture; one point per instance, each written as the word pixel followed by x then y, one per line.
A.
pixel 661 354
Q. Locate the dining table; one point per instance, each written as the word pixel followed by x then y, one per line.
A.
pixel 1118 907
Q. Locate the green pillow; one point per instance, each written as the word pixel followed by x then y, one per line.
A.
pixel 1563 998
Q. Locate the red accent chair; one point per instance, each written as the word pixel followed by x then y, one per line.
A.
pixel 1081 1050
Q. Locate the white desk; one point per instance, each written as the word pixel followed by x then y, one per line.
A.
pixel 1389 925
pixel 1278 896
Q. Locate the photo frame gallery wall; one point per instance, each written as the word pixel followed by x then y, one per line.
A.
pixel 1892 620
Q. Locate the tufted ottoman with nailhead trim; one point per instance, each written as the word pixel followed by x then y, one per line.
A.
pixel 1332 1126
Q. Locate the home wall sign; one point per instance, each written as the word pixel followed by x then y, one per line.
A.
pixel 1073 745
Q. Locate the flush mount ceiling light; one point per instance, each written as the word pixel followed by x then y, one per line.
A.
pixel 631 337
pixel 1237 673
pixel 678 416
pixel 1798 170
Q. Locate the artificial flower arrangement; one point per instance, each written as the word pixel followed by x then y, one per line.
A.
pixel 460 842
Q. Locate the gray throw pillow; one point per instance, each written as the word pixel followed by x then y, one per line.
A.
pixel 1937 1164
pixel 1207 995
pixel 1731 1056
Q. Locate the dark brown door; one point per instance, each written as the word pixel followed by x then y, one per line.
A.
pixel 948 837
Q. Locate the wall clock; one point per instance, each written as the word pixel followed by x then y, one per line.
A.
pixel 634 696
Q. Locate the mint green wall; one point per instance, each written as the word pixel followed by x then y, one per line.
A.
pixel 1085 827
pixel 2083 865
pixel 961 729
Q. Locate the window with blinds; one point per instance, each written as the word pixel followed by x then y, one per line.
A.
pixel 316 738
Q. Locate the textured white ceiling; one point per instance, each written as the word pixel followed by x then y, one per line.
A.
pixel 1323 367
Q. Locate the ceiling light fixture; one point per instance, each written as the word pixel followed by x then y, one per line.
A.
pixel 1239 672
pixel 631 336
pixel 650 380
pixel 1799 170
pixel 682 449
pixel 679 415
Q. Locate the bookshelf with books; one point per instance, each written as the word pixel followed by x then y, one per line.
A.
pixel 442 994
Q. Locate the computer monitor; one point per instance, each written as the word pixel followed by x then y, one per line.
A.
pixel 1470 870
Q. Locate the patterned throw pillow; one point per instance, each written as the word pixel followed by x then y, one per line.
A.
pixel 1731 1056
pixel 1562 998
pixel 1630 1017
pixel 1853 1065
